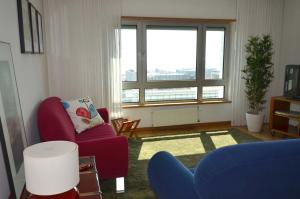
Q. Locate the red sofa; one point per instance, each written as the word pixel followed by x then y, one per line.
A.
pixel 110 150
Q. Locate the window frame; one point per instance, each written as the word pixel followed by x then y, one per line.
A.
pixel 200 80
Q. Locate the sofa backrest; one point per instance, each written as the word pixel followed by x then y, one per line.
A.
pixel 256 170
pixel 54 122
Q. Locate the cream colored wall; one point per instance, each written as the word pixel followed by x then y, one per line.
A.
pixel 206 113
pixel 291 34
pixel 290 45
pixel 31 75
pixel 222 9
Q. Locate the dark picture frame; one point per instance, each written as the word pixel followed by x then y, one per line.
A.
pixel 40 32
pixel 24 26
pixel 34 29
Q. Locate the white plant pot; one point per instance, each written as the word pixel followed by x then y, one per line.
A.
pixel 254 122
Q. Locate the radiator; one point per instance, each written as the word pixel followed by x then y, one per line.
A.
pixel 175 116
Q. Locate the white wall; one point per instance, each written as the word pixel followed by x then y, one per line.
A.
pixel 207 113
pixel 223 9
pixel 291 34
pixel 211 9
pixel 31 76
pixel 290 42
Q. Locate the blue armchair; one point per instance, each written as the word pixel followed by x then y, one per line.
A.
pixel 261 170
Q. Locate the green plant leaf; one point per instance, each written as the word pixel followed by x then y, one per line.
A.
pixel 258 72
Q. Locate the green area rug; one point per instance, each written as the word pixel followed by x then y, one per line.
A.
pixel 188 146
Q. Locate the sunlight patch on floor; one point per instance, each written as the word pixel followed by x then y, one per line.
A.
pixel 216 132
pixel 177 147
pixel 170 136
pixel 223 140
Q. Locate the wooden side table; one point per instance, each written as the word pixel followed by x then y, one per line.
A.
pixel 123 125
pixel 89 187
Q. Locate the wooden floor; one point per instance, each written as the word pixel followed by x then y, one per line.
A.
pixel 264 134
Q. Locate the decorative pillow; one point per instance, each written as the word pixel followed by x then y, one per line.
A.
pixel 82 113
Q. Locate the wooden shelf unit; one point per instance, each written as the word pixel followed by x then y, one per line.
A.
pixel 281 114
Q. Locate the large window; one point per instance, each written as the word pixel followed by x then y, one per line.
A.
pixel 173 62
pixel 171 58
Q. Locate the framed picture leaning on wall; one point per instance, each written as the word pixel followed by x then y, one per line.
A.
pixel 12 132
pixel 24 26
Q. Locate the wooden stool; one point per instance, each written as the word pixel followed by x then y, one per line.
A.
pixel 123 125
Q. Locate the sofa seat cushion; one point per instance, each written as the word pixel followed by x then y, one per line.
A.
pixel 100 131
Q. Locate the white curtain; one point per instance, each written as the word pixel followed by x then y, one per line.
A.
pixel 254 17
pixel 82 38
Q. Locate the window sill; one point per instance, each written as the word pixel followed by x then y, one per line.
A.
pixel 127 106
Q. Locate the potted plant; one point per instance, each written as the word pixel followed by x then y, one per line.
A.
pixel 258 74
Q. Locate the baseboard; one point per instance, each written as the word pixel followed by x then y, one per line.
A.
pixel 225 124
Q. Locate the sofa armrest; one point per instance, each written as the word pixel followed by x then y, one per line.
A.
pixel 257 170
pixel 169 178
pixel 104 114
pixel 111 155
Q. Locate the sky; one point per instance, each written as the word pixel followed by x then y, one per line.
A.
pixel 172 49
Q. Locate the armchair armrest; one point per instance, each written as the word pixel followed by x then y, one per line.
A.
pixel 104 114
pixel 169 178
pixel 111 155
